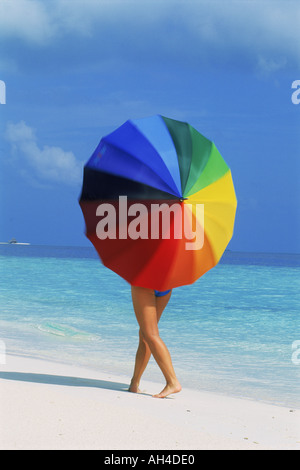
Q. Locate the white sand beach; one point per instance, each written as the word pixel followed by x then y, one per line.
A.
pixel 55 406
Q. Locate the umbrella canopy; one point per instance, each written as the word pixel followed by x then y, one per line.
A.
pixel 158 202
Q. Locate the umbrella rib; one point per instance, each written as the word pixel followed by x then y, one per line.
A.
pixel 160 157
pixel 206 166
pixel 178 194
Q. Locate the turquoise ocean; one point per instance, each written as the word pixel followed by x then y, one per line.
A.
pixel 233 332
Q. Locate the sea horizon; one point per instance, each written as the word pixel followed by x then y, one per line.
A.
pixel 228 255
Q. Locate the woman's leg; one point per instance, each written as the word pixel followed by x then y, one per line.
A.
pixel 144 303
pixel 143 353
pixel 142 357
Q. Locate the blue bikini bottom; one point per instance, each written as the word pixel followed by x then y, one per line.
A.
pixel 161 294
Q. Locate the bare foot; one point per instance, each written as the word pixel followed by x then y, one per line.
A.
pixel 134 388
pixel 168 390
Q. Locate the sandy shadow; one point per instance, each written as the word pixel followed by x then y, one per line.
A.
pixel 63 380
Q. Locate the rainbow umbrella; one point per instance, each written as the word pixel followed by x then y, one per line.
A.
pixel 158 202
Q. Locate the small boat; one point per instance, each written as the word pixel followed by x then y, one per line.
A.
pixel 13 241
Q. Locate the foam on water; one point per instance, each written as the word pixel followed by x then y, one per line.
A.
pixel 65 331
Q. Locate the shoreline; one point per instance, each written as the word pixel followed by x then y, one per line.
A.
pixel 49 405
pixel 151 374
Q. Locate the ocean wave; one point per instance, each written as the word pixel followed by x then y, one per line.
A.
pixel 66 331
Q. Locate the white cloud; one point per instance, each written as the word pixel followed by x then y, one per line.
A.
pixel 26 19
pixel 269 65
pixel 40 20
pixel 49 163
pixel 265 33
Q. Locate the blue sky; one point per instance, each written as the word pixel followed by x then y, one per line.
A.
pixel 75 70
